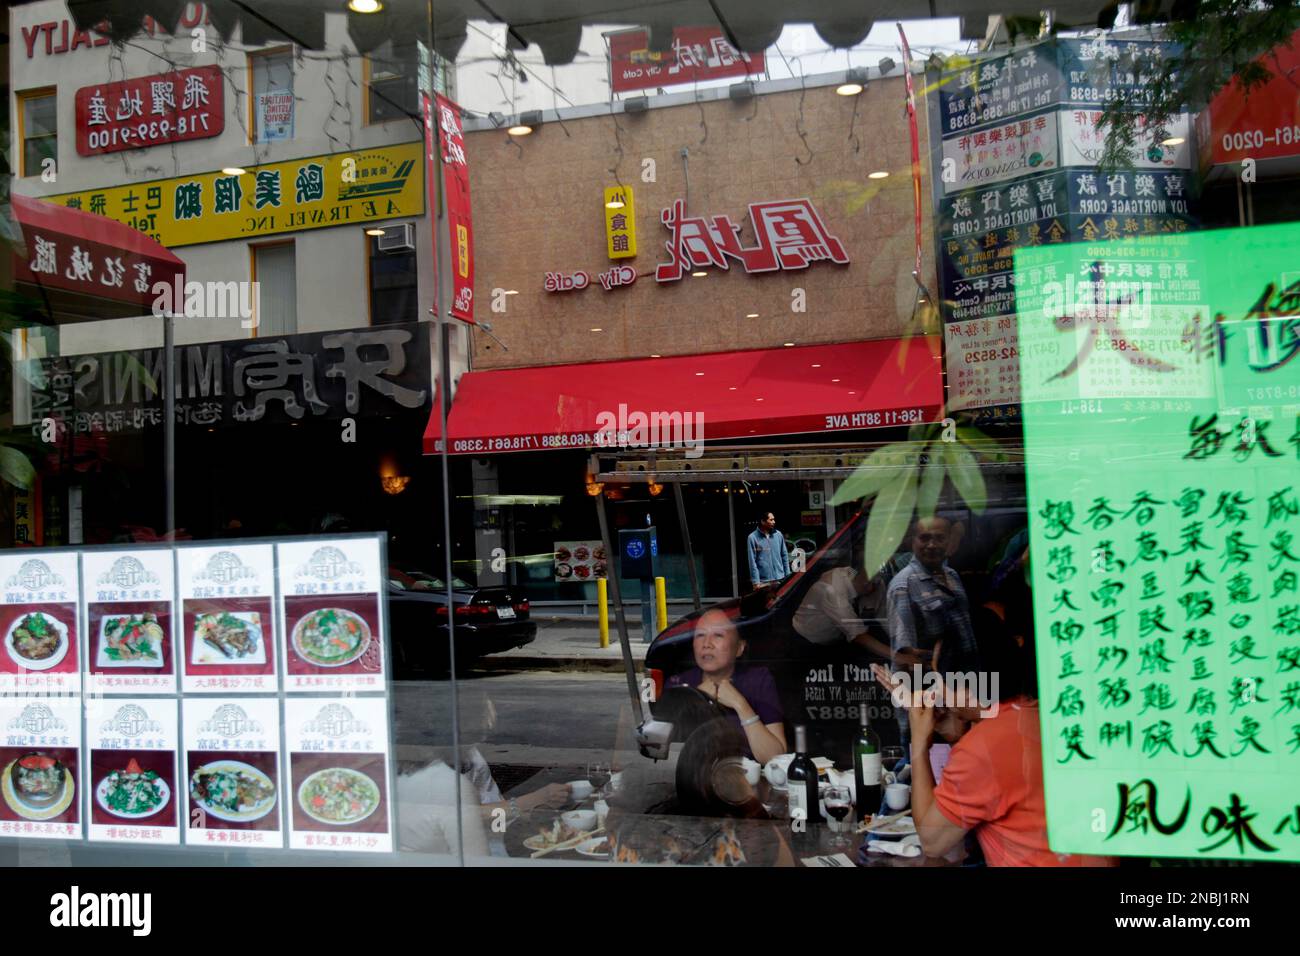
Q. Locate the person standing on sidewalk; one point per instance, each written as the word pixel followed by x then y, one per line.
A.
pixel 768 561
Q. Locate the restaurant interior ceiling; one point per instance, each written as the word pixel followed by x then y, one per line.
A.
pixel 556 25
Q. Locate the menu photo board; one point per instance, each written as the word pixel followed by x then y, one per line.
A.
pixel 128 597
pixel 40 759
pixel 1164 513
pixel 40 622
pixel 227 637
pixel 333 614
pixel 233 775
pixel 132 793
pixel 580 561
pixel 339 787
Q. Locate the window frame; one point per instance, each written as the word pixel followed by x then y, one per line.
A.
pixel 253 248
pixel 23 96
pixel 367 72
pixel 287 48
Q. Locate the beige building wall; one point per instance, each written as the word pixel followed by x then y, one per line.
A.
pixel 538 207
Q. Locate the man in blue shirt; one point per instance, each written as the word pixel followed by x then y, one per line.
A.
pixel 768 562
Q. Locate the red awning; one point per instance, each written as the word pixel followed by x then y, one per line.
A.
pixel 740 395
pixel 75 251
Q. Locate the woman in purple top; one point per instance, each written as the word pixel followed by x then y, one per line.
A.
pixel 748 692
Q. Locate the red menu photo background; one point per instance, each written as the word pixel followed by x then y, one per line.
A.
pixel 194 608
pixel 366 606
pixel 162 762
pixel 302 766
pixel 65 613
pixel 95 613
pixel 68 756
pixel 268 763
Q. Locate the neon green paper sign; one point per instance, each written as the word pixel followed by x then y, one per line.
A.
pixel 1161 391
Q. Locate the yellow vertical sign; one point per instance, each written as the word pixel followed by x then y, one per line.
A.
pixel 462 251
pixel 620 222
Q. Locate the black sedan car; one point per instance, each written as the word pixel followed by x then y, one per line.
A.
pixel 487 620
pixel 821 685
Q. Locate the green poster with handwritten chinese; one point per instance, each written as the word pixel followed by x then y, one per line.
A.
pixel 1161 391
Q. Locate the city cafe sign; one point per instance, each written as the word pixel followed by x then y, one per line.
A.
pixel 789 235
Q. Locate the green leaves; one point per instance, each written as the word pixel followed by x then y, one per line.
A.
pixel 931 484
pixel 15 467
pixel 964 471
pixel 876 472
pixel 890 516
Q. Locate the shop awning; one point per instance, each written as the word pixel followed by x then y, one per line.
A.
pixel 740 395
pixel 75 251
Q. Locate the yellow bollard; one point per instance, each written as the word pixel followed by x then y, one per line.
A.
pixel 602 599
pixel 661 604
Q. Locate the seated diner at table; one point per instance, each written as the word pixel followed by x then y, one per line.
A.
pixel 748 692
pixel 993 781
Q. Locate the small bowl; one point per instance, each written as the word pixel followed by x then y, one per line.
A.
pixel 580 820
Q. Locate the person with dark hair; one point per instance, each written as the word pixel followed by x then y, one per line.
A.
pixel 749 694
pixel 768 561
pixel 993 781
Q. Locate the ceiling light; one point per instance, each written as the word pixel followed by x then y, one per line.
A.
pixel 615 204
pixel 700 274
pixel 731 388
pixel 598 330
pixel 519 130
pixel 374 232
pixel 233 170
pixel 511 292
pixel 855 81
pixel 835 380
pixel 751 315
pixel 787 344
pixel 758 399
pixel 816 365
pixel 878 174
pixel 699 373
pixel 1173 141
pixel 656 355
pixel 365 6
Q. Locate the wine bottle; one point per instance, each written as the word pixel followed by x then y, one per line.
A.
pixel 866 767
pixel 801 779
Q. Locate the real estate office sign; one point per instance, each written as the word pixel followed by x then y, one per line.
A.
pixel 1162 431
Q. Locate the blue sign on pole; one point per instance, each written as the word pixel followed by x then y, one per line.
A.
pixel 635 548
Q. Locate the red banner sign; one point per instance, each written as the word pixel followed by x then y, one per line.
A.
pixel 697 53
pixel 1265 125
pixel 460 227
pixel 150 111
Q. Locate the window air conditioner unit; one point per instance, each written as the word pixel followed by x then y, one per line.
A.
pixel 397 238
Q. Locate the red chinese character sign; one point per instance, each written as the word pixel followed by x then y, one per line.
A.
pixel 697 53
pixel 150 110
pixel 455 171
pixel 789 233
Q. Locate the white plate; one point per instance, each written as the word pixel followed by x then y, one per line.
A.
pixel 356 653
pixel 28 812
pixel 204 653
pixel 336 823
pixel 59 652
pixel 588 849
pixel 101 797
pixel 101 656
pixel 903 826
pixel 235 816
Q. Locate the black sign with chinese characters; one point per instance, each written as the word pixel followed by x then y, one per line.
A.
pixel 361 372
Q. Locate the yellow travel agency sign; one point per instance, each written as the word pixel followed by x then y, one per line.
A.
pixel 338 189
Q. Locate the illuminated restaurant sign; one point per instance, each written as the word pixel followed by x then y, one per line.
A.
pixel 1161 442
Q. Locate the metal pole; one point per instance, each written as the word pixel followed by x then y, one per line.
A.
pixel 731 523
pixel 686 543
pixel 611 574
pixel 169 422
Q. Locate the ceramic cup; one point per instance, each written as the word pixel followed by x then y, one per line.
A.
pixel 898 796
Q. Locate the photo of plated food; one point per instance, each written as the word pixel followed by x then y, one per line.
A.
pixel 581 553
pixel 563 571
pixel 130 640
pixel 338 796
pixel 562 553
pixel 37 641
pixel 331 636
pixel 38 786
pixel 579 561
pixel 132 793
pixel 232 790
pixel 228 637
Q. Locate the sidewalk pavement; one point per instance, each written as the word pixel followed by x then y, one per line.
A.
pixel 567 645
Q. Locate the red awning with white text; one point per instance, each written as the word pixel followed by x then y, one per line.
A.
pixel 719 396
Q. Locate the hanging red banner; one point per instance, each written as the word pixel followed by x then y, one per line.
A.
pixel 455 172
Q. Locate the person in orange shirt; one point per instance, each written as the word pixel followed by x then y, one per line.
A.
pixel 993 781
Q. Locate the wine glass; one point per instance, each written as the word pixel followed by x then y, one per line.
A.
pixel 598 775
pixel 839 804
pixel 890 758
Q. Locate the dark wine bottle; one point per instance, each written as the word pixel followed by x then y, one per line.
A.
pixel 801 780
pixel 866 767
